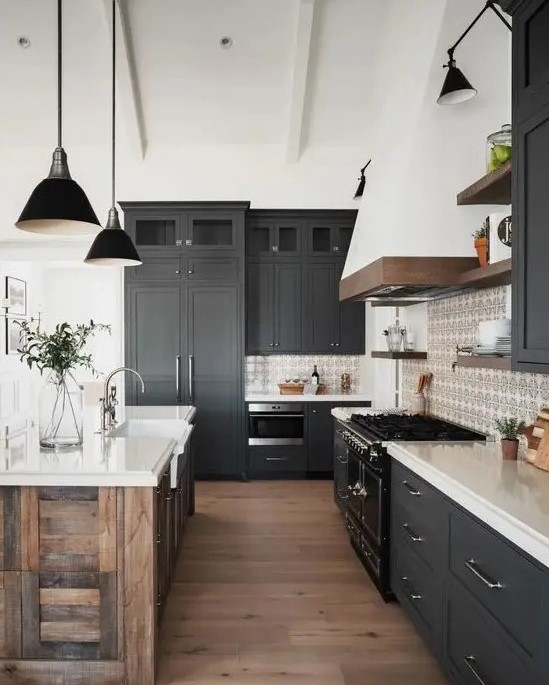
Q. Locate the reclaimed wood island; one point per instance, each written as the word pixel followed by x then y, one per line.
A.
pixel 88 539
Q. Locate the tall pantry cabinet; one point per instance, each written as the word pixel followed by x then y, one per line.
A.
pixel 184 320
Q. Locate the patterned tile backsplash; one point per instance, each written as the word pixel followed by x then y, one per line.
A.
pixel 263 373
pixel 472 397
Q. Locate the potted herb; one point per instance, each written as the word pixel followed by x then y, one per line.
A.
pixel 59 353
pixel 509 429
pixel 481 243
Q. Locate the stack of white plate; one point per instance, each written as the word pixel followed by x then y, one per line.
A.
pixel 503 345
pixel 485 350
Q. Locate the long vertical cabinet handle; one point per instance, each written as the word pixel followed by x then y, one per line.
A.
pixel 178 377
pixel 191 365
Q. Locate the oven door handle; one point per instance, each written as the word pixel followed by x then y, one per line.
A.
pixel 277 416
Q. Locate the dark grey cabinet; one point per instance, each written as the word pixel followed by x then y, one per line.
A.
pixel 154 315
pixel 530 172
pixel 274 308
pixel 275 236
pixel 479 602
pixel 321 430
pixel 330 236
pixel 184 322
pixel 334 327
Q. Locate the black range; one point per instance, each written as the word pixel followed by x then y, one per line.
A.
pixel 362 462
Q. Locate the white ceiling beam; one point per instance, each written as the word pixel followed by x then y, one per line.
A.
pixel 298 92
pixel 129 96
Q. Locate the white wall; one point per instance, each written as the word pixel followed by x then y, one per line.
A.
pixel 426 153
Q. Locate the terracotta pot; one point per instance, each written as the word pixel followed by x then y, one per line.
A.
pixel 481 246
pixel 509 449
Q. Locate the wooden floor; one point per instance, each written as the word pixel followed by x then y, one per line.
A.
pixel 268 591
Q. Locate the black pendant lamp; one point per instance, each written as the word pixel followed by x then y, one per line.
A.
pixel 362 182
pixel 456 86
pixel 113 246
pixel 58 205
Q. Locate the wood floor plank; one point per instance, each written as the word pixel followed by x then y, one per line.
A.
pixel 268 590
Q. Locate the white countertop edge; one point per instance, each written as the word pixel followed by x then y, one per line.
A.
pixel 523 536
pixel 307 398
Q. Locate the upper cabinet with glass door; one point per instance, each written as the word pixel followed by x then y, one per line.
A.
pixel 274 237
pixel 201 227
pixel 330 236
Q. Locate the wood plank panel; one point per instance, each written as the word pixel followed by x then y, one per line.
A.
pixel 14 672
pixel 70 597
pixel 107 511
pixel 30 553
pixel 11 529
pixel 10 614
pixel 69 631
pixel 140 585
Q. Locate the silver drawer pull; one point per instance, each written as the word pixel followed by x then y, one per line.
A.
pixel 470 662
pixel 410 533
pixel 412 594
pixel 276 458
pixel 472 565
pixel 411 489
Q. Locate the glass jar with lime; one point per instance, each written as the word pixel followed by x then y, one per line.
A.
pixel 499 146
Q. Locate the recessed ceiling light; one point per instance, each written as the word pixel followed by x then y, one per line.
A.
pixel 24 42
pixel 226 42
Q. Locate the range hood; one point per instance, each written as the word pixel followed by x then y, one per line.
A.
pixel 407 280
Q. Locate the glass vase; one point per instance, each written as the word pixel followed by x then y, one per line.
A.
pixel 60 419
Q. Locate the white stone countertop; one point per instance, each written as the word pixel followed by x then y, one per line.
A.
pixel 149 439
pixel 277 397
pixel 510 496
pixel 344 413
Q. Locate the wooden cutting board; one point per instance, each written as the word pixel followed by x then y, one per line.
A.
pixel 538 441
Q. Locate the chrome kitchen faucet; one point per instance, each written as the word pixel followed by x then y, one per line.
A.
pixel 109 402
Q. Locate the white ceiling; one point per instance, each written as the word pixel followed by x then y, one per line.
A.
pixel 192 92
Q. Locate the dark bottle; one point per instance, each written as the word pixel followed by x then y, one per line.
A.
pixel 315 378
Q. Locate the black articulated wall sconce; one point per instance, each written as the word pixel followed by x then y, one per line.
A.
pixel 362 182
pixel 456 87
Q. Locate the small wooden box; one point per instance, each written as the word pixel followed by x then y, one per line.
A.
pixel 298 388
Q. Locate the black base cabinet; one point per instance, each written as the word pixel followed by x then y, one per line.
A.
pixel 480 603
pixel 314 459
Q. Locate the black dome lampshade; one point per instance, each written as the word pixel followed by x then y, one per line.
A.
pixel 113 246
pixel 58 205
pixel 456 87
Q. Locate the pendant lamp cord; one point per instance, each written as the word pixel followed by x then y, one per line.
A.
pixel 113 151
pixel 59 73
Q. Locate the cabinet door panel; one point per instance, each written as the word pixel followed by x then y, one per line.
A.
pixel 69 616
pixel 211 230
pixel 321 430
pixel 260 308
pixel 213 335
pixel 531 245
pixel 153 342
pixel 288 308
pixel 352 322
pixel 323 322
pixel 151 230
pixel 212 269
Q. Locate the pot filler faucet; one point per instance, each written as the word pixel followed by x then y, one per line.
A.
pixel 109 402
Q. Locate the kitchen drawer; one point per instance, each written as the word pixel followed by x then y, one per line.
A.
pixel 477 650
pixel 419 591
pixel 421 502
pixel 273 460
pixel 510 586
pixel 155 270
pixel 425 536
pixel 212 269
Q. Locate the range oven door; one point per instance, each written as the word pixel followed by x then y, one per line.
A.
pixel 276 424
pixel 371 501
pixel 354 484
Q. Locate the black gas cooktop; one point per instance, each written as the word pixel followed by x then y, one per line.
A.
pixel 414 428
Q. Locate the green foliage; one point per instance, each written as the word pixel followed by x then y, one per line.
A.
pixel 510 428
pixel 483 231
pixel 61 350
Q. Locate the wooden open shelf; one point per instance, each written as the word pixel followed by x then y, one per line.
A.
pixel 399 355
pixel 488 276
pixel 485 362
pixel 492 189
